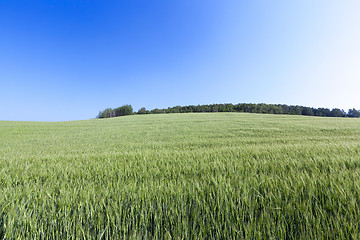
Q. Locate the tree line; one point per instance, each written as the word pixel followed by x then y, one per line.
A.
pixel 229 107
pixel 117 112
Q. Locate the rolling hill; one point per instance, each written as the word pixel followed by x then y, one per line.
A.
pixel 182 176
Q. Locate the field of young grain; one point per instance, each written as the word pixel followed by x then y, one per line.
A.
pixel 181 176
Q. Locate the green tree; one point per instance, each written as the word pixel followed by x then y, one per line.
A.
pixel 107 113
pixel 142 111
pixel 336 112
pixel 123 110
pixel 353 113
pixel 307 111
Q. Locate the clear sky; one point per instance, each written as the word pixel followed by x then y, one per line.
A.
pixel 68 59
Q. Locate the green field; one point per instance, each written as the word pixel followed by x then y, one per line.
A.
pixel 181 176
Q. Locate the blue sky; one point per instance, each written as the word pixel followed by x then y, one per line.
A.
pixel 68 59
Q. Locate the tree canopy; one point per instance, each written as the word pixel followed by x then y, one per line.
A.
pixel 117 112
pixel 229 107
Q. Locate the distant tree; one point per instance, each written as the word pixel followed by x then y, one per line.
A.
pixel 112 113
pixel 353 113
pixel 276 109
pixel 336 112
pixel 285 109
pixel 307 111
pixel 214 108
pixel 107 113
pixel 123 110
pixel 295 110
pixel 157 111
pixel 228 107
pixel 325 112
pixel 142 111
pixel 99 115
pixel 176 109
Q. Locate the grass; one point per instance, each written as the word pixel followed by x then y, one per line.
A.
pixel 181 176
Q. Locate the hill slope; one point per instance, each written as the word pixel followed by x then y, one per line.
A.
pixel 217 175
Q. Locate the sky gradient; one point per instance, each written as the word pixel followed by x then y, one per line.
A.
pixel 66 59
